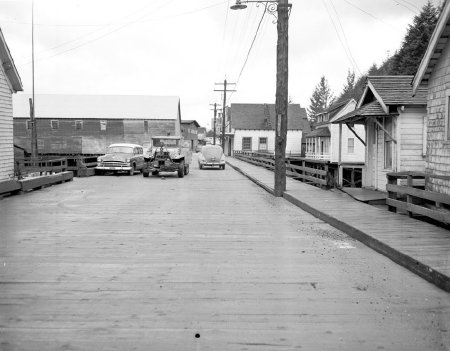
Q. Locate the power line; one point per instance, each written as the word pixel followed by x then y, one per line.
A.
pixel 251 45
pixel 369 14
pixel 405 6
pixel 345 38
pixel 339 37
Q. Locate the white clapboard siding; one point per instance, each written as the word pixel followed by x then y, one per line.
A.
pixel 293 141
pixel 359 150
pixel 410 143
pixel 6 129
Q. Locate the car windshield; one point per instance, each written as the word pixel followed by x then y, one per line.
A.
pixel 212 151
pixel 120 150
pixel 166 142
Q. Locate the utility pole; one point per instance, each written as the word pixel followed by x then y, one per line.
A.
pixel 215 114
pixel 34 145
pixel 224 90
pixel 281 98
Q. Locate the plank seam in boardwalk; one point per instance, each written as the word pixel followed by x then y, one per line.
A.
pixel 367 231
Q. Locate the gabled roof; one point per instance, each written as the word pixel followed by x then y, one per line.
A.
pixel 262 117
pixel 190 121
pixel 439 39
pixel 8 65
pixel 319 132
pixel 98 106
pixel 334 108
pixel 372 109
pixel 395 90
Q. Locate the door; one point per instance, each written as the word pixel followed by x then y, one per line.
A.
pixel 371 155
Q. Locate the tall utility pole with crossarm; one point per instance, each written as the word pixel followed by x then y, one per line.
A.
pixel 214 124
pixel 224 90
pixel 280 9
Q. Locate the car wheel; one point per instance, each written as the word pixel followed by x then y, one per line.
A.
pixel 181 170
pixel 223 166
pixel 133 169
pixel 145 174
pixel 200 166
pixel 186 170
pixel 155 173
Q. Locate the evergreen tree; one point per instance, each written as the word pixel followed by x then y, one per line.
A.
pixel 321 99
pixel 347 92
pixel 407 59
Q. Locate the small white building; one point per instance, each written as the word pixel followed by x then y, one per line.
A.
pixel 253 128
pixel 10 83
pixel 394 122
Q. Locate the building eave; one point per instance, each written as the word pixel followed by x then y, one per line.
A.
pixel 441 26
pixel 8 65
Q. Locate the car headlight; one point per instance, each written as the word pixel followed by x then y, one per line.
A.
pixel 128 160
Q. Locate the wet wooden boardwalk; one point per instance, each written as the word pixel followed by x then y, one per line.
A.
pixel 133 263
pixel 421 247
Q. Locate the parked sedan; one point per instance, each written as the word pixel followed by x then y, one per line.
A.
pixel 121 158
pixel 211 156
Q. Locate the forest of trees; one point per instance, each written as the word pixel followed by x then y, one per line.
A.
pixel 404 62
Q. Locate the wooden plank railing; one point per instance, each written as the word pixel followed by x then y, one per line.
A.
pixel 317 176
pixel 40 165
pixel 413 200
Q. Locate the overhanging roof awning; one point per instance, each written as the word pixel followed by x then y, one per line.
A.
pixel 372 109
pixel 319 132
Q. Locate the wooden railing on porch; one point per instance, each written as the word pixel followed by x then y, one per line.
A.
pixel 415 201
pixel 316 176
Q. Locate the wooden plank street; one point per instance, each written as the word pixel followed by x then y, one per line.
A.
pixel 133 263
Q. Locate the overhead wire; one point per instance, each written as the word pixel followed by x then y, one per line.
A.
pixel 250 48
pixel 405 6
pixel 338 35
pixel 371 15
pixel 345 39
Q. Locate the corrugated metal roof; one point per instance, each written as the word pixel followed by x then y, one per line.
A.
pixel 372 109
pixel 397 90
pixel 262 117
pixel 319 132
pixel 98 106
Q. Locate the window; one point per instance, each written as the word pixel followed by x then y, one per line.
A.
pixel 28 124
pixel 262 144
pixel 246 144
pixel 54 124
pixel 351 145
pixel 103 125
pixel 146 126
pixel 78 125
pixel 388 124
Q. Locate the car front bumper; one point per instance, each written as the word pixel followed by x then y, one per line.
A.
pixel 115 168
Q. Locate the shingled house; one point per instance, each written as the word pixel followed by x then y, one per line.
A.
pixel 394 122
pixel 10 83
pixel 434 74
pixel 87 124
pixel 253 128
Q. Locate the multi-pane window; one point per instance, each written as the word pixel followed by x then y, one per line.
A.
pixel 28 124
pixel 262 144
pixel 388 142
pixel 103 125
pixel 247 144
pixel 54 124
pixel 351 145
pixel 78 125
pixel 146 126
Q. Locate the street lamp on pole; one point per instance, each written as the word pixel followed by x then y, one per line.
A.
pixel 280 9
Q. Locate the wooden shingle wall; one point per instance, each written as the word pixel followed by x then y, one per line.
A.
pixel 6 129
pixel 438 147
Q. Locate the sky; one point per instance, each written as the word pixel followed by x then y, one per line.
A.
pixel 183 48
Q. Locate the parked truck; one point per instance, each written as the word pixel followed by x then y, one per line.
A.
pixel 167 154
